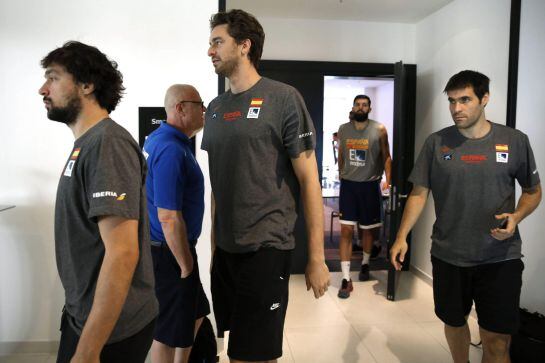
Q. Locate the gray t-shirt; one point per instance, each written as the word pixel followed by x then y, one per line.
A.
pixel 472 180
pixel 104 175
pixel 251 138
pixel 362 156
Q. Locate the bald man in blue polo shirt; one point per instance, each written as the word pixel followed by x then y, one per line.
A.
pixel 175 193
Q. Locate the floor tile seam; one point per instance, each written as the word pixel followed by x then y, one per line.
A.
pixel 439 341
pixel 351 328
pixel 362 341
pixel 289 346
pixel 414 318
pixel 426 333
pixel 403 313
pixel 318 326
pixel 364 345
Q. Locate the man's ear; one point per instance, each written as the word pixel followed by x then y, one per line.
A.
pixel 87 88
pixel 246 45
pixel 484 100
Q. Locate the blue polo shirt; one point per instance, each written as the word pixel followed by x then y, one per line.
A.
pixel 174 180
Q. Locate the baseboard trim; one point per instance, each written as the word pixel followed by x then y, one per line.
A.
pixel 422 275
pixel 28 347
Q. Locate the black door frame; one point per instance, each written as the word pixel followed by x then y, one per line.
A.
pixel 351 69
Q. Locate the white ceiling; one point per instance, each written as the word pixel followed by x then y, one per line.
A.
pixel 389 11
pixel 351 86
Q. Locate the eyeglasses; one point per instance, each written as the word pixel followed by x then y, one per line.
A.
pixel 201 103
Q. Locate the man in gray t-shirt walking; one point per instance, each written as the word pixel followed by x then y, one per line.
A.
pixel 101 221
pixel 364 155
pixel 471 169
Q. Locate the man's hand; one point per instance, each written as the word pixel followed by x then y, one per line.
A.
pixel 508 229
pixel 384 187
pixel 317 278
pixel 399 248
pixel 187 266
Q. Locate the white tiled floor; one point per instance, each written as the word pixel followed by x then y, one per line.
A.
pixel 364 328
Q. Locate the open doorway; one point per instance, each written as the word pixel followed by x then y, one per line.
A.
pixel 339 93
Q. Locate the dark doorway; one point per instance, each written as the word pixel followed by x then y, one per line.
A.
pixel 308 78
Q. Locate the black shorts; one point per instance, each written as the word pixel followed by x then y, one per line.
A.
pixel 250 298
pixel 181 301
pixel 133 349
pixel 360 203
pixel 495 288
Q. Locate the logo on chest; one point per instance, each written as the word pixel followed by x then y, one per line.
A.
pixel 255 108
pixel 447 153
pixel 232 116
pixel 502 157
pixel 502 153
pixel 71 163
pixel 473 158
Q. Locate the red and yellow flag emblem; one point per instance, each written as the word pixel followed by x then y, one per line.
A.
pixel 502 147
pixel 75 154
pixel 256 102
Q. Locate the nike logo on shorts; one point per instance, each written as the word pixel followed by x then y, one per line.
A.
pixel 275 306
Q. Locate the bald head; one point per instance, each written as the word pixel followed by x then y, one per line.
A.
pixel 177 93
pixel 188 117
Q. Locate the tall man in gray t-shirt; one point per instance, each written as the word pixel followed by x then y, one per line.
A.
pixel 471 169
pixel 101 224
pixel 260 142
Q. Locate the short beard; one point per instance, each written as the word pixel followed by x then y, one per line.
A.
pixel 360 116
pixel 227 69
pixel 67 114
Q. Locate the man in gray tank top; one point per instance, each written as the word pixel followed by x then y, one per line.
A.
pixel 364 155
pixel 471 169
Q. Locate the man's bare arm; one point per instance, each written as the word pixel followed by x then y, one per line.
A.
pixel 413 208
pixel 120 237
pixel 175 231
pixel 385 151
pixel 317 273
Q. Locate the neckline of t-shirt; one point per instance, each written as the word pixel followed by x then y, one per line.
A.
pixel 365 128
pixel 482 138
pixel 248 90
pixel 92 130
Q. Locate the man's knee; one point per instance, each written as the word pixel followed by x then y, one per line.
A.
pixel 347 231
pixel 495 344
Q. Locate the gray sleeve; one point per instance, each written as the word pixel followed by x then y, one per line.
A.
pixel 298 131
pixel 527 174
pixel 420 174
pixel 113 178
pixel 204 141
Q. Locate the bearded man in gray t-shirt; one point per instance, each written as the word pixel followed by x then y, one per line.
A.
pixel 260 142
pixel 471 169
pixel 101 220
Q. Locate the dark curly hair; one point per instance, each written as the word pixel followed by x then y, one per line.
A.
pixel 478 81
pixel 89 65
pixel 241 26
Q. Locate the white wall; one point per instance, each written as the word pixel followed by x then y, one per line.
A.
pixel 341 41
pixel 465 34
pixel 155 46
pixel 383 109
pixel 530 121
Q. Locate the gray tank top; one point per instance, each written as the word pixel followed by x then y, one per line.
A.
pixel 361 152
